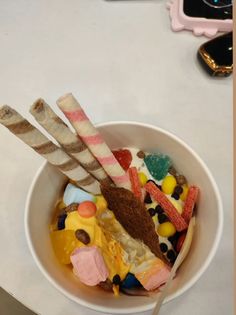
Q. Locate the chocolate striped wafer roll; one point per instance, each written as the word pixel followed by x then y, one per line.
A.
pixel 92 138
pixel 70 142
pixel 51 152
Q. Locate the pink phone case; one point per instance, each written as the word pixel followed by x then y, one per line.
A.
pixel 199 26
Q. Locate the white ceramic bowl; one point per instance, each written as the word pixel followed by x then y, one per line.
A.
pixel 47 187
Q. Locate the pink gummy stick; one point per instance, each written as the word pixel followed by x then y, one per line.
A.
pixel 167 206
pixel 189 203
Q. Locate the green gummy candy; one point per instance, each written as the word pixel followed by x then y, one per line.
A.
pixel 158 165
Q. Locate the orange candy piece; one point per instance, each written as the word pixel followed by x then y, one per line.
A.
pixel 87 209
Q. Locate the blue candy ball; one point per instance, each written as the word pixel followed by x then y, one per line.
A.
pixel 61 221
pixel 130 281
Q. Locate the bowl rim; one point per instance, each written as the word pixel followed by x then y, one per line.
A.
pixel 149 306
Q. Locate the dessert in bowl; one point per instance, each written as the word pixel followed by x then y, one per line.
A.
pixel 48 188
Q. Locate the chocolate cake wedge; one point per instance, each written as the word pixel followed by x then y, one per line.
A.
pixel 133 216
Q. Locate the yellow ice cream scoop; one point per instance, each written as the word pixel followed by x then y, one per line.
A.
pixel 75 222
pixel 64 242
pixel 111 249
pixel 113 256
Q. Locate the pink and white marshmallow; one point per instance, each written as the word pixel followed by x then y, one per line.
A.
pixel 154 276
pixel 89 265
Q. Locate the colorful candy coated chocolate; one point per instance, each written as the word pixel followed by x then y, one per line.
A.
pixel 181 179
pixel 141 154
pixel 64 242
pixel 130 281
pixel 61 221
pixel 82 236
pixel 142 178
pixel 168 185
pixel 116 280
pixel 87 209
pixel 74 194
pixel 158 165
pixel 75 222
pixel 166 229
pixel 172 171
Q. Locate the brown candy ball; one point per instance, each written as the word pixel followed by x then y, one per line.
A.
pixel 181 180
pixel 141 154
pixel 82 236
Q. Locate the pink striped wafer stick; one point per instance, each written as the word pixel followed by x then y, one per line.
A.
pixel 92 138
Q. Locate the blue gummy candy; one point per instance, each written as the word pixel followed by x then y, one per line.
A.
pixel 74 194
pixel 158 165
pixel 61 221
pixel 130 281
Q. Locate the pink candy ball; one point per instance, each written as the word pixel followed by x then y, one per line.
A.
pixel 87 209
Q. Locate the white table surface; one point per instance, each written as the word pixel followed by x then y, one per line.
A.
pixel 123 62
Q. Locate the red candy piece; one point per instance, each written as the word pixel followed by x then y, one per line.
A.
pixel 189 203
pixel 135 182
pixel 124 157
pixel 180 242
pixel 167 206
pixel 87 209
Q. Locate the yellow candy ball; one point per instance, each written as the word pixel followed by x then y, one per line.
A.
pixel 166 229
pixel 101 203
pixel 142 178
pixel 168 185
pixel 184 194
